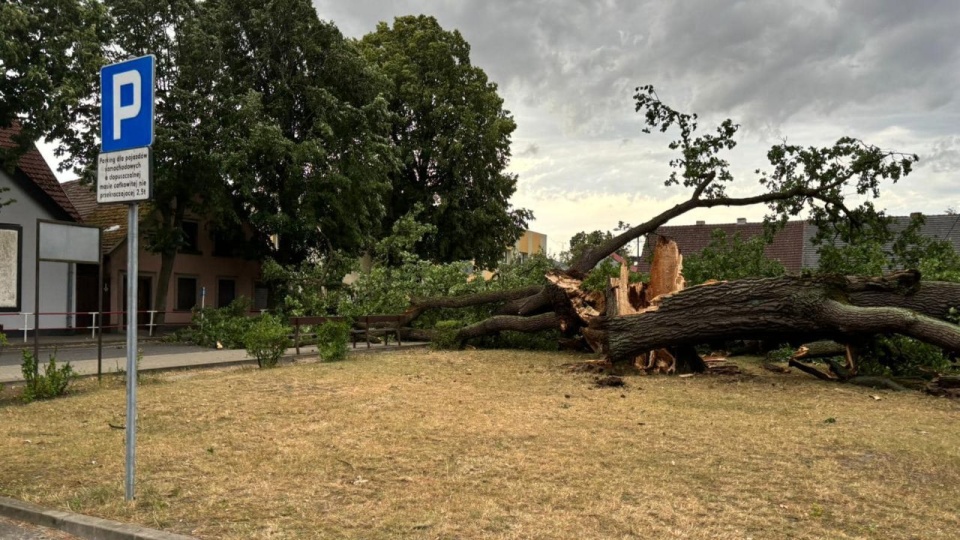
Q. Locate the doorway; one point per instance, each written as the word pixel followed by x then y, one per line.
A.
pixel 144 299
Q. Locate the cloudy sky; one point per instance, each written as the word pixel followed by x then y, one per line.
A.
pixel 810 71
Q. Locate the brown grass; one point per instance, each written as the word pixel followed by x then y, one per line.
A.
pixel 494 444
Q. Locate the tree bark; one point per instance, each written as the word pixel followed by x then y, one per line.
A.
pixel 167 259
pixel 536 323
pixel 783 309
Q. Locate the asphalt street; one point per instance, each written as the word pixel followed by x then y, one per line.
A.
pixel 112 352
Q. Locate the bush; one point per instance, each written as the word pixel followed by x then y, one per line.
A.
pixel 782 354
pixel 446 335
pixel 332 338
pixel 266 340
pixel 51 383
pixel 226 326
pixel 901 356
pixel 545 340
pixel 121 370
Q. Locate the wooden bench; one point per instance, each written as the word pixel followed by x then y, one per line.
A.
pixel 366 325
pixel 385 325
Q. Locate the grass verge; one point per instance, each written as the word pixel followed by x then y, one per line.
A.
pixel 493 444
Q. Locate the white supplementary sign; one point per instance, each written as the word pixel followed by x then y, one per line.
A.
pixel 124 176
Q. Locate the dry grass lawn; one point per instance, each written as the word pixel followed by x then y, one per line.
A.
pixel 494 444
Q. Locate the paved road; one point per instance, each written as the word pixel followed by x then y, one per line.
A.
pixel 155 356
pixel 112 352
pixel 15 530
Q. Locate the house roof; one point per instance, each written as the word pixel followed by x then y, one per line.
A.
pixel 82 197
pixel 101 215
pixel 943 227
pixel 35 168
pixel 787 245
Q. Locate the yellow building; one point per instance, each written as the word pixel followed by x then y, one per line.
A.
pixel 530 243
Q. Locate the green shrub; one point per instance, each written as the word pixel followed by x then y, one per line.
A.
pixel 51 383
pixel 226 326
pixel 545 340
pixel 782 354
pixel 445 336
pixel 3 342
pixel 332 338
pixel 121 370
pixel 901 356
pixel 266 340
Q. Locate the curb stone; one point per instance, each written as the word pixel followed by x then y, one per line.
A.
pixel 84 526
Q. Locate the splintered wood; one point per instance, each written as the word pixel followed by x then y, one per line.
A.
pixel 666 278
pixel 666 270
pixel 623 298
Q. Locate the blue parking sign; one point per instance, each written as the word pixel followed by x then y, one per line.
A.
pixel 126 106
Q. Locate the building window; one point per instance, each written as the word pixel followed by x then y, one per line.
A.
pixel 226 291
pixel 261 296
pixel 227 244
pixel 191 237
pixel 186 293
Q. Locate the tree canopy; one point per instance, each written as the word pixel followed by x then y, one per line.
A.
pixel 453 140
pixel 305 149
pixel 50 55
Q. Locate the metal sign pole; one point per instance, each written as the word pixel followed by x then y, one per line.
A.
pixel 132 271
pixel 124 175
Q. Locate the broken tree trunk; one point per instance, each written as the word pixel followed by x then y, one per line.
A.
pixel 623 299
pixel 778 309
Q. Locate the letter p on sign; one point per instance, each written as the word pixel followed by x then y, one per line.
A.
pixel 126 107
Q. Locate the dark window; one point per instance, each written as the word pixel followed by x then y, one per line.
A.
pixel 191 237
pixel 223 245
pixel 186 293
pixel 261 296
pixel 226 292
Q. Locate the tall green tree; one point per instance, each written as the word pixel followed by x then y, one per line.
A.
pixel 50 55
pixel 55 51
pixel 305 150
pixel 453 139
pixel 186 173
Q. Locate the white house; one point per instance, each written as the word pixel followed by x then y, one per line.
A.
pixel 37 194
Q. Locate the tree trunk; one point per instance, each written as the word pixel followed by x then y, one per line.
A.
pixel 163 286
pixel 167 258
pixel 781 309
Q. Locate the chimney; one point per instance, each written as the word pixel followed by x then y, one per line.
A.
pixel 701 223
pixel 915 215
pixel 741 220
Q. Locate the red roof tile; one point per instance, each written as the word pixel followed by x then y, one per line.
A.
pixel 787 245
pixel 35 167
pixel 82 197
pixel 102 215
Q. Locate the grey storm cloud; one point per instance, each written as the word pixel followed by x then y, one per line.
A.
pixel 807 71
pixel 762 61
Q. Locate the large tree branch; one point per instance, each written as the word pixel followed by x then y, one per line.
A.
pixel 591 257
pixel 545 321
pixel 418 305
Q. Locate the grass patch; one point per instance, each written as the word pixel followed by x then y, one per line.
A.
pixel 494 444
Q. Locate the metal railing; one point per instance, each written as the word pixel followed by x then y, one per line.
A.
pixel 25 321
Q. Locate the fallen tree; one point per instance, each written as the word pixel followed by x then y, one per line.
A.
pixel 785 309
pixel 659 316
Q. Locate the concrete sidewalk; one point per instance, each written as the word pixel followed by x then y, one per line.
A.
pixel 205 358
